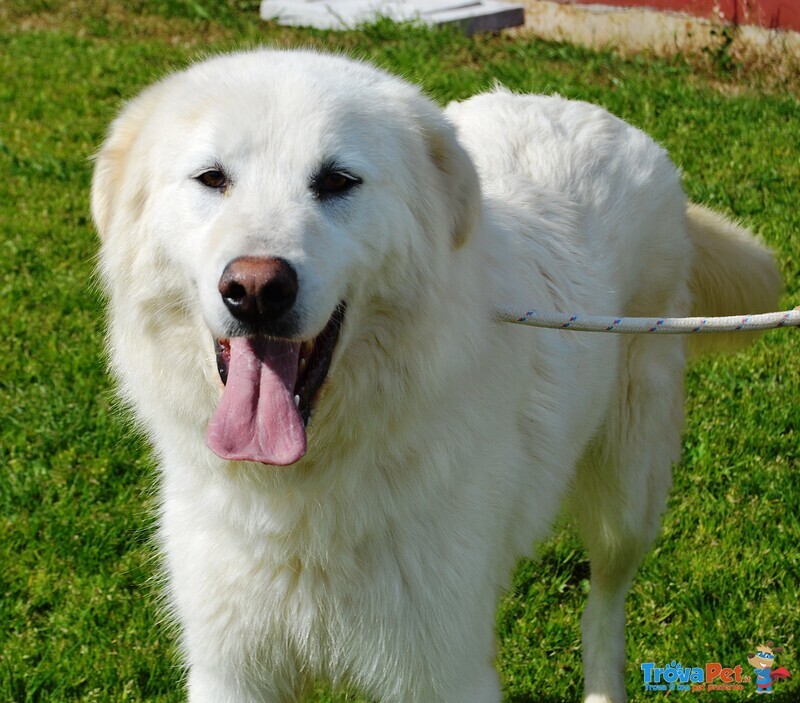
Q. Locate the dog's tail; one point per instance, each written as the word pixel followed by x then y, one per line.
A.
pixel 733 272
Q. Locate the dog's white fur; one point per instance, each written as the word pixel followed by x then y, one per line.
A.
pixel 444 442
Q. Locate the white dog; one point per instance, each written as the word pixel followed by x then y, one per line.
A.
pixel 287 237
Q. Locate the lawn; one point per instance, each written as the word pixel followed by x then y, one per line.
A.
pixel 78 597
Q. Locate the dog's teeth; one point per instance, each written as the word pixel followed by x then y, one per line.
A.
pixel 297 400
pixel 303 364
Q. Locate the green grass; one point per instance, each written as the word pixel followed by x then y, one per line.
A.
pixel 77 602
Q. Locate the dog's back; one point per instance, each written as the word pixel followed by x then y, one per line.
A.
pixel 641 250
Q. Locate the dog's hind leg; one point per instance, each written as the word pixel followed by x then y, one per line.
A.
pixel 621 489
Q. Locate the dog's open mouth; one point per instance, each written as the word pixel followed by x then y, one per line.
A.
pixel 270 389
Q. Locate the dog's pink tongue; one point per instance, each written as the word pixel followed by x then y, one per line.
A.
pixel 257 419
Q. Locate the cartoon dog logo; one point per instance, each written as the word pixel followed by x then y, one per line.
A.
pixel 762 661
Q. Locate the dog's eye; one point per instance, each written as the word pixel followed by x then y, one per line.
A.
pixel 213 179
pixel 330 183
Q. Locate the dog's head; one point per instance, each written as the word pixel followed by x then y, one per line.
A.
pixel 267 193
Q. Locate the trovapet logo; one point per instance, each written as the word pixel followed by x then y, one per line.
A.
pixel 716 677
pixel 762 662
pixel 676 677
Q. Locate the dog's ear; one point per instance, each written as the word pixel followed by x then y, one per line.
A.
pixel 111 162
pixel 460 179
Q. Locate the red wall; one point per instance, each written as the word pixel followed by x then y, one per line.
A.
pixel 775 14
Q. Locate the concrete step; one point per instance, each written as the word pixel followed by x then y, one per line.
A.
pixel 473 16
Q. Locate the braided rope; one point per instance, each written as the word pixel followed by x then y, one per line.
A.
pixel 639 325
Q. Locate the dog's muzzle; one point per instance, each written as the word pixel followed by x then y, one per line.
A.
pixel 271 378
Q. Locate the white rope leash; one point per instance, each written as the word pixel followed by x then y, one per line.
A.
pixel 657 325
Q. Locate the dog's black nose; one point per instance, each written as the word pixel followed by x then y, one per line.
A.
pixel 258 290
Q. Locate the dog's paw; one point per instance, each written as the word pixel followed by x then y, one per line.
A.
pixel 602 698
